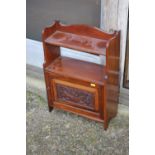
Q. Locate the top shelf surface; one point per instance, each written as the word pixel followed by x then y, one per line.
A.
pixel 78 42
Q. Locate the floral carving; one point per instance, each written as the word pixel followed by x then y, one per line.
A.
pixel 75 96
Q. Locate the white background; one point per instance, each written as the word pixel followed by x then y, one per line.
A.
pixel 13 77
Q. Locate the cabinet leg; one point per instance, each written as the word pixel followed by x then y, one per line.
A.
pixel 50 108
pixel 106 122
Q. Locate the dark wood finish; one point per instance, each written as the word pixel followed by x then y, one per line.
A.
pixel 75 94
pixel 77 69
pixel 80 87
pixel 78 42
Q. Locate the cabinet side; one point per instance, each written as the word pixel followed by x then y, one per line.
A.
pixel 113 80
pixel 51 52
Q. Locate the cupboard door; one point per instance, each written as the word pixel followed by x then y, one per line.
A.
pixel 75 94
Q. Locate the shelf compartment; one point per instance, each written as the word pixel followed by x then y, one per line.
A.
pixel 77 69
pixel 78 42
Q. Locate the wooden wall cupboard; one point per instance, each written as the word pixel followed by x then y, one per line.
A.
pixel 77 86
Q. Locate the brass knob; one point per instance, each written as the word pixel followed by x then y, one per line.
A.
pixel 92 85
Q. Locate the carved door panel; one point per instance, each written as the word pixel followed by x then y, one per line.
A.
pixel 75 94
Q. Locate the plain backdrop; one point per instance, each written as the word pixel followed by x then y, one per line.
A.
pixel 40 13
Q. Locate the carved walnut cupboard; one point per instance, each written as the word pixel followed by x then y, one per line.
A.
pixel 77 86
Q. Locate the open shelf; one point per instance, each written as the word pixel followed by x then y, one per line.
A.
pixel 77 69
pixel 78 42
